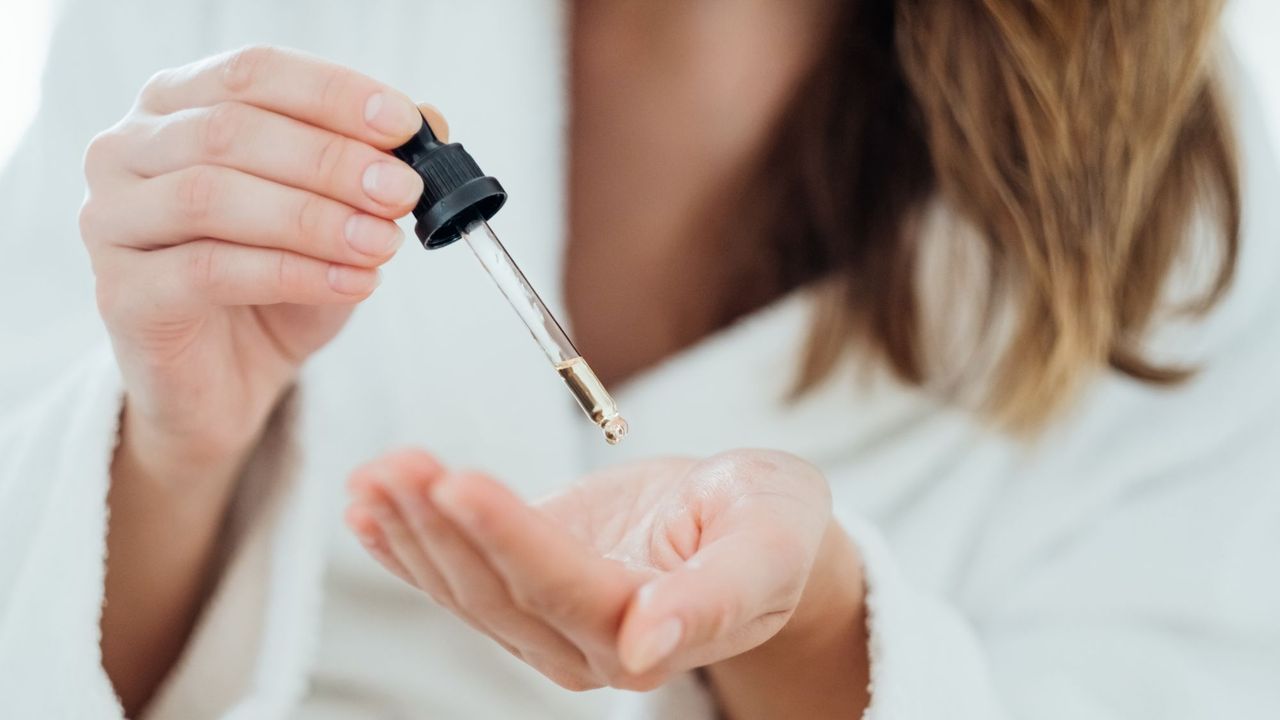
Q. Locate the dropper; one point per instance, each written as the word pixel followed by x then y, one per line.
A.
pixel 457 202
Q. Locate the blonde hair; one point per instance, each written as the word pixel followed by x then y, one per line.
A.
pixel 1078 138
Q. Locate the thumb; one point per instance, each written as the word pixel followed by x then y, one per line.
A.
pixel 717 595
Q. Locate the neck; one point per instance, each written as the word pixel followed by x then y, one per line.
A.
pixel 671 102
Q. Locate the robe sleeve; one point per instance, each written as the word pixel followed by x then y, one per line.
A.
pixel 247 655
pixel 60 400
pixel 1164 607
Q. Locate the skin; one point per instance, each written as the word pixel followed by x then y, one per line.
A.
pixel 672 101
pixel 234 218
pixel 640 571
pixel 242 208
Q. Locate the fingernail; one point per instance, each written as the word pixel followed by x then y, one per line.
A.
pixel 370 236
pixel 392 183
pixel 353 281
pixel 392 115
pixel 655 647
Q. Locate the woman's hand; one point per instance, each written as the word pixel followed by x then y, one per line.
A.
pixel 637 572
pixel 234 217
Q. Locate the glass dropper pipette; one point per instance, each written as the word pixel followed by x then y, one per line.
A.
pixel 546 331
pixel 457 202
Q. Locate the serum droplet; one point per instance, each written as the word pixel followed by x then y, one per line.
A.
pixel 594 400
pixel 615 428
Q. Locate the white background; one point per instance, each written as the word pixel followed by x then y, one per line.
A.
pixel 25 26
pixel 24 34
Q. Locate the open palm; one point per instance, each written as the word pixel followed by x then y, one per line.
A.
pixel 633 573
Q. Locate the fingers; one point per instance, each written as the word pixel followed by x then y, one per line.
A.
pixel 389 537
pixel 550 573
pixel 261 147
pixel 294 84
pixel 211 272
pixel 737 590
pixel 367 529
pixel 277 148
pixel 441 562
pixel 216 202
pixel 471 581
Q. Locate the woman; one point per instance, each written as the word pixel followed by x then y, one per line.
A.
pixel 981 283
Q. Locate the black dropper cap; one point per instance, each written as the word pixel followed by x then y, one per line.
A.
pixel 454 190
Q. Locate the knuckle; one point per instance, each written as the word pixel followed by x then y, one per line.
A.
pixel 155 87
pixel 242 68
pixel 196 191
pixel 89 219
pixel 223 124
pixel 202 266
pixel 309 216
pixel 287 275
pixel 329 159
pixel 332 91
pixel 102 150
pixel 93 152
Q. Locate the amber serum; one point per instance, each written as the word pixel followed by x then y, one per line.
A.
pixel 587 389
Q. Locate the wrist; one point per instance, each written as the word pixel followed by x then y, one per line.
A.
pixel 817 665
pixel 181 460
pixel 833 595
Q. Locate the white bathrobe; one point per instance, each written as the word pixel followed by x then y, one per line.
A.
pixel 1127 565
